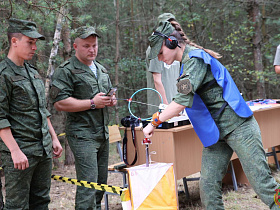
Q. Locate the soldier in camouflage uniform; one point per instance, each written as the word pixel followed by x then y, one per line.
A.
pixel 28 137
pixel 235 133
pixel 79 87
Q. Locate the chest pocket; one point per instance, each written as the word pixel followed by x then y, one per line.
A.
pixel 23 94
pixel 85 84
pixel 40 90
pixel 104 79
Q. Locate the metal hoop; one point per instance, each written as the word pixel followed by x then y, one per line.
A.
pixel 130 100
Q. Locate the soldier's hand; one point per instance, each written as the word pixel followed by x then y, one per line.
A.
pixel 57 148
pixel 20 160
pixel 148 131
pixel 113 100
pixel 100 100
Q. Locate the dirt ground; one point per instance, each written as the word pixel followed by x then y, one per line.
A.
pixel 63 194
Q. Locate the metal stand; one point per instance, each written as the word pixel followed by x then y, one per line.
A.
pixel 147 141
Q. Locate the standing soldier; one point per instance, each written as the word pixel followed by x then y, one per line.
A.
pixel 28 137
pixel 78 88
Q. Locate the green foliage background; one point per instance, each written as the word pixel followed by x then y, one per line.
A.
pixel 220 25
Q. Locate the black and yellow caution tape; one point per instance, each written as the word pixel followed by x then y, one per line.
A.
pixel 123 192
pixel 102 187
pixel 61 134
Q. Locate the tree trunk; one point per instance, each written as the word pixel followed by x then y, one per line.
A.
pixel 132 26
pixel 69 157
pixel 193 25
pixel 117 57
pixel 255 16
pixel 65 36
pixel 58 122
pixel 266 64
pixel 54 49
pixel 51 66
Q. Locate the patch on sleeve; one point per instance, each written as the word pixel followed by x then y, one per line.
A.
pixel 184 86
pixel 54 92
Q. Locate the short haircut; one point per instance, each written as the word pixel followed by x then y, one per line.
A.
pixel 11 35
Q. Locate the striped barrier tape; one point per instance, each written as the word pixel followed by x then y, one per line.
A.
pixel 101 187
pixel 61 134
pixel 123 192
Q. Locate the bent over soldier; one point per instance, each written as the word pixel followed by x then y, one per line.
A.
pixel 219 115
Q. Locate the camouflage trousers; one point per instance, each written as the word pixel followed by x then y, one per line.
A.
pixel 29 188
pixel 246 142
pixel 91 162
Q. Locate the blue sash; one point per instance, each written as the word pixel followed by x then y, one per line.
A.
pixel 200 117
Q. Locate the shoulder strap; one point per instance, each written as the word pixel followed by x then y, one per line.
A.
pixel 125 146
pixel 64 63
pixel 205 86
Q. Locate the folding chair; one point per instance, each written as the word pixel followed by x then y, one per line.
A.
pixel 274 154
pixel 115 137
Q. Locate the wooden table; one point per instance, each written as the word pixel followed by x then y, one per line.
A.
pixel 182 147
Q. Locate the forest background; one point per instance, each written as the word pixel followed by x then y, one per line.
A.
pixel 245 32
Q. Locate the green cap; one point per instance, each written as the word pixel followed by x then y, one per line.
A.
pixel 24 27
pixel 165 17
pixel 84 32
pixel 156 40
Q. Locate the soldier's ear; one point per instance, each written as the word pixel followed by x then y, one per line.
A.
pixel 14 40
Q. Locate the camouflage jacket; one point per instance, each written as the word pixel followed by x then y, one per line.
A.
pixel 75 79
pixel 23 108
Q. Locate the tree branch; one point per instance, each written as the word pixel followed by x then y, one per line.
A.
pixel 11 9
pixel 56 9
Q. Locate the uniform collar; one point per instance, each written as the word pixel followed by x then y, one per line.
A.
pixel 19 70
pixel 79 65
